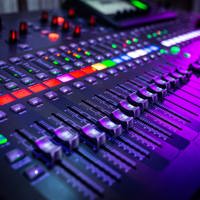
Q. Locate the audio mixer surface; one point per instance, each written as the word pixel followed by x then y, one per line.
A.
pixel 100 106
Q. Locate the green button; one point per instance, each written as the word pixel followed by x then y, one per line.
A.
pixel 109 63
pixel 55 62
pixel 67 59
pixel 175 50
pixel 114 46
pixel 3 140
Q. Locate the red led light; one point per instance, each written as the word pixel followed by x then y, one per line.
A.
pixel 37 88
pixel 23 28
pixel 53 37
pixel 92 21
pixel 21 93
pixel 77 73
pixel 13 36
pixel 5 99
pixel 88 70
pixel 52 83
pixel 54 21
pixel 71 12
pixel 77 31
pixel 60 21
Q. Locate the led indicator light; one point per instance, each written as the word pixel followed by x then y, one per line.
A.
pixel 5 99
pixel 37 88
pixel 21 93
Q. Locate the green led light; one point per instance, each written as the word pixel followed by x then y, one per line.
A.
pixel 109 63
pixel 135 40
pixel 155 35
pixel 114 46
pixel 128 42
pixel 55 62
pixel 16 75
pixel 30 70
pixel 67 59
pixel 87 53
pixel 163 51
pixel 140 5
pixel 149 36
pixel 3 140
pixel 77 56
pixel 175 50
pixel 187 55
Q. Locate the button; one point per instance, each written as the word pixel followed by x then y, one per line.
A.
pixel 129 109
pixel 90 79
pixel 91 133
pixel 47 147
pixel 52 83
pixel 35 101
pixel 18 108
pixel 55 71
pixel 112 71
pixel 51 95
pixel 2 115
pixel 109 126
pixel 37 88
pixel 21 93
pixel 123 119
pixel 121 68
pixel 65 89
pixel 5 99
pixel 41 76
pixel 11 85
pixel 67 67
pixel 78 64
pixel 34 172
pixel 14 59
pixel 40 53
pixel 15 155
pixel 28 56
pixel 101 75
pixel 136 100
pixel 89 60
pixel 99 57
pixel 27 80
pixel 69 137
pixel 79 85
pixel 3 139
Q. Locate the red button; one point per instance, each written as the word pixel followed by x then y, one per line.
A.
pixel 21 93
pixel 5 99
pixel 37 88
pixel 52 83
pixel 88 70
pixel 77 74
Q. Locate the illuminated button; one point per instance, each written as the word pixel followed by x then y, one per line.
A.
pixel 55 71
pixel 52 83
pixel 112 71
pixel 108 63
pixel 122 68
pixel 13 36
pixel 77 74
pixel 18 108
pixel 79 85
pixel 51 95
pixel 11 85
pixel 88 70
pixel 27 80
pixel 3 139
pixel 99 66
pixel 129 109
pixel 101 75
pixel 77 31
pixel 123 119
pixel 48 148
pixel 90 79
pixel 21 93
pixel 99 57
pixel 67 67
pixel 60 20
pixel 5 99
pixel 136 100
pixel 65 90
pixel 15 155
pixel 35 101
pixel 34 172
pixel 65 78
pixel 109 126
pixel 95 136
pixel 2 115
pixel 53 37
pixel 78 64
pixel 41 76
pixel 37 88
pixel 28 56
pixel 89 60
pixel 69 137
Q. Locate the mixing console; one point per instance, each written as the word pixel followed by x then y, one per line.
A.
pixel 88 111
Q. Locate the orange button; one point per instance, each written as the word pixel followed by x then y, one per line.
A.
pixel 88 70
pixel 52 83
pixel 5 99
pixel 37 88
pixel 21 93
pixel 77 74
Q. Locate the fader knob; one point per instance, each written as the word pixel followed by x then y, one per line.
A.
pixel 23 28
pixel 54 21
pixel 65 26
pixel 77 31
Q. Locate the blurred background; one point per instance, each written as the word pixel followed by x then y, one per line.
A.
pixel 9 6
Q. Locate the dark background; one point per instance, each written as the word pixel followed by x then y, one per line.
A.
pixel 8 6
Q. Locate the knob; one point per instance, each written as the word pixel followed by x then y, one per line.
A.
pixel 54 21
pixel 44 17
pixel 92 21
pixel 13 36
pixel 77 31
pixel 65 26
pixel 71 13
pixel 23 28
